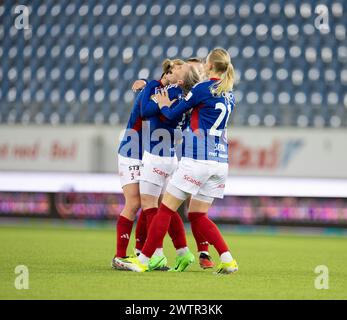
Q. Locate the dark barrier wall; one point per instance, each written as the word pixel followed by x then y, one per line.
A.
pixel 236 210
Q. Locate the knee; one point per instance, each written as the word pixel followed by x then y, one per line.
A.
pixel 133 205
pixel 148 202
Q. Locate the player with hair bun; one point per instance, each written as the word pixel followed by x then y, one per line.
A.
pixel 158 167
pixel 130 154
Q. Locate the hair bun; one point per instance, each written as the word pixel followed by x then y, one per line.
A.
pixel 167 65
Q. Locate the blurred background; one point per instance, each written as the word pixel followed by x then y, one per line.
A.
pixel 66 70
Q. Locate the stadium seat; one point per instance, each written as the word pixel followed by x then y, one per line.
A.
pixel 78 65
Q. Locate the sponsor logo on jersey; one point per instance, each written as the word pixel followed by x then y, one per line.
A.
pixel 192 180
pixel 160 172
pixel 171 86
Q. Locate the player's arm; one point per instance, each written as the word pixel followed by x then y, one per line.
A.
pixel 138 99
pixel 149 104
pixel 149 107
pixel 173 110
pixel 139 84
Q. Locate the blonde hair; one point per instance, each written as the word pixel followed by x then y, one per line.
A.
pixel 221 64
pixel 195 60
pixel 168 64
pixel 190 80
pixel 178 62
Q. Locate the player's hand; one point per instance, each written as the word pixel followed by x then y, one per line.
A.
pixel 138 85
pixel 163 99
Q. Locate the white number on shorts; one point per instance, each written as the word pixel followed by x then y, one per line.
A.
pixel 221 106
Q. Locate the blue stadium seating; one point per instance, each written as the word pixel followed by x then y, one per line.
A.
pixel 79 58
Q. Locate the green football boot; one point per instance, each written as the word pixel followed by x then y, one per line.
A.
pixel 158 263
pixel 183 262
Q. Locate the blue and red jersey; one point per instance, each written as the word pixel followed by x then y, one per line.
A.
pixel 131 144
pixel 161 133
pixel 206 136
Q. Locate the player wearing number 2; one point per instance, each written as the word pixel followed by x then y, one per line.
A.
pixel 203 170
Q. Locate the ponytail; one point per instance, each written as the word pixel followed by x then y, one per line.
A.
pixel 220 60
pixel 227 82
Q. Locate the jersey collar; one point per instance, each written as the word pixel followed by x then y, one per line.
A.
pixel 215 79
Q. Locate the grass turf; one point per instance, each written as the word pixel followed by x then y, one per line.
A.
pixel 74 263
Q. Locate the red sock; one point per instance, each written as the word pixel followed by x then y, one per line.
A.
pixel 141 231
pixel 149 214
pixel 124 227
pixel 177 232
pixel 159 227
pixel 201 242
pixel 208 230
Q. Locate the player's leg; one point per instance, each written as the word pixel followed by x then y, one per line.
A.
pixel 177 233
pixel 213 188
pixel 160 225
pixel 140 232
pixel 127 217
pixel 141 226
pixel 176 228
pixel 151 184
pixel 149 201
pixel 196 205
pixel 150 187
pixel 129 171
pixel 211 232
pixel 154 173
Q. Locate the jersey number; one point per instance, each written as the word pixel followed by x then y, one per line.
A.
pixel 220 106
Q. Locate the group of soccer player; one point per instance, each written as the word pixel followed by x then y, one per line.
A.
pixel 175 149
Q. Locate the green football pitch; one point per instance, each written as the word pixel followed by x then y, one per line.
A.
pixel 74 263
